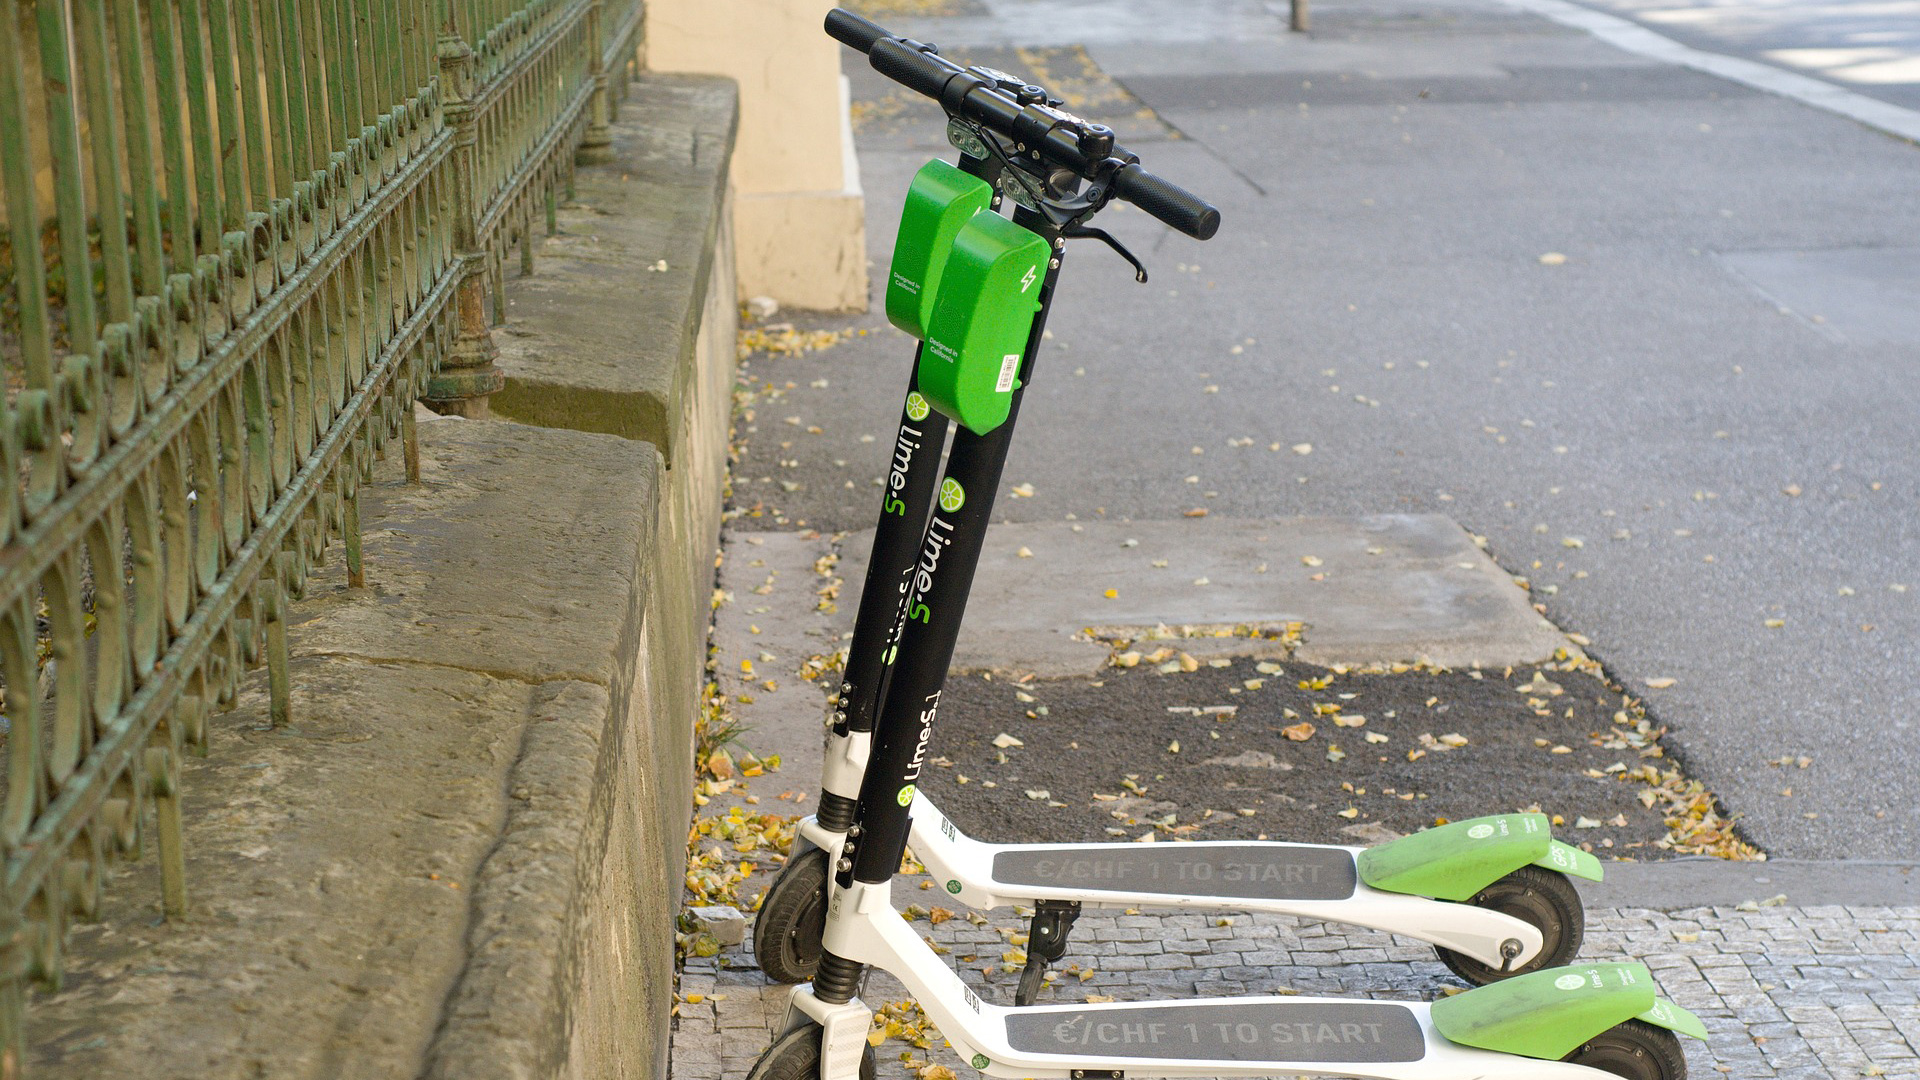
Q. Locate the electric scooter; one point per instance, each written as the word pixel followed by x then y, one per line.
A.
pixel 1491 894
pixel 1601 1019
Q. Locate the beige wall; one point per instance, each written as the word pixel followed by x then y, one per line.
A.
pixel 799 215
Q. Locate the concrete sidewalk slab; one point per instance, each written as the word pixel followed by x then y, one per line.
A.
pixel 1383 589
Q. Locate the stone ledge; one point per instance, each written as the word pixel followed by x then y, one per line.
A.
pixel 454 861
pixel 599 339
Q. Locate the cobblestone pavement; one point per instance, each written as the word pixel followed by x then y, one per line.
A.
pixel 1798 992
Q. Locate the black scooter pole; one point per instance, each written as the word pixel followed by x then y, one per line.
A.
pixel 942 578
pixel 905 504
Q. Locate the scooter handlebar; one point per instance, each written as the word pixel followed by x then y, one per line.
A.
pixel 854 31
pixel 932 75
pixel 1169 202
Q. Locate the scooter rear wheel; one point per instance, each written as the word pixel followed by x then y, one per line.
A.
pixel 796 1056
pixel 1635 1050
pixel 1535 895
pixel 786 934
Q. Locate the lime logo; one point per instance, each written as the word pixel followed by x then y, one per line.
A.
pixel 952 495
pixel 1570 982
pixel 980 1061
pixel 1480 832
pixel 905 798
pixel 917 406
pixel 953 887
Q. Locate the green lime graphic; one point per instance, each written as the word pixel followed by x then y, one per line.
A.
pixel 905 798
pixel 917 406
pixel 952 495
pixel 980 1061
pixel 953 887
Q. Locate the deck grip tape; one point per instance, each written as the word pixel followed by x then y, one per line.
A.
pixel 1252 872
pixel 1278 1031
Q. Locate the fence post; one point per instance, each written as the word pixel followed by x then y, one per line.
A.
pixel 598 137
pixel 1298 18
pixel 468 373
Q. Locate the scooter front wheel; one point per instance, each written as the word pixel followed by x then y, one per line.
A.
pixel 796 1056
pixel 1540 897
pixel 1635 1050
pixel 786 934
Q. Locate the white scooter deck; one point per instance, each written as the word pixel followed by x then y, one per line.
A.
pixel 1314 881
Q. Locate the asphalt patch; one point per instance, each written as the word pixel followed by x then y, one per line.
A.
pixel 1100 762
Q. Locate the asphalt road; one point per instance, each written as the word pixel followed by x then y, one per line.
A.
pixel 1696 425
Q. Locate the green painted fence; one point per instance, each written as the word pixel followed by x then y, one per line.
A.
pixel 243 236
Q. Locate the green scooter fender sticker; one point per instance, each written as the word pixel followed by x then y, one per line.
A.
pixel 1674 1018
pixel 1570 860
pixel 1455 861
pixel 1546 1014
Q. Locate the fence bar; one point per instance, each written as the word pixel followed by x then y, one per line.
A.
pixel 295 206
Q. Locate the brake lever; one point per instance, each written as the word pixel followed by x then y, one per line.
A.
pixel 1086 232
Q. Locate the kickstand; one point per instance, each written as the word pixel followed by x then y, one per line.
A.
pixel 1046 942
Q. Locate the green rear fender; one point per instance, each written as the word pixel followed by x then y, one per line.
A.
pixel 1548 1014
pixel 1457 860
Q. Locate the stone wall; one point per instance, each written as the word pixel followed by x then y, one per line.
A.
pixel 462 856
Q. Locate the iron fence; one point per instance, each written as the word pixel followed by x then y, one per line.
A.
pixel 242 237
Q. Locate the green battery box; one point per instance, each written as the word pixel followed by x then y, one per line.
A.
pixel 940 200
pixel 989 292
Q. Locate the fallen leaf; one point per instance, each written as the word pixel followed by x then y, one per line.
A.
pixel 1553 258
pixel 1024 553
pixel 1303 448
pixel 1310 560
pixel 1662 682
pixel 1022 491
pixel 1196 512
pixel 1173 747
pixel 1355 720
pixel 1349 813
pixel 1111 593
pixel 1791 491
pixel 1004 740
pixel 1299 732
pixel 1376 737
pixel 1039 794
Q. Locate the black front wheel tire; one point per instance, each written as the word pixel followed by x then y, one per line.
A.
pixel 1634 1050
pixel 1540 897
pixel 796 1056
pixel 786 933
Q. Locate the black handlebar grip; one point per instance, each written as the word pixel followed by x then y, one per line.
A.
pixel 1170 203
pixel 853 31
pixel 910 68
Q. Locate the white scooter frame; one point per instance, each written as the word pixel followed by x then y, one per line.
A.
pixel 965 868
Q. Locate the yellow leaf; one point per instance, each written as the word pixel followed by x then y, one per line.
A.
pixel 1299 732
